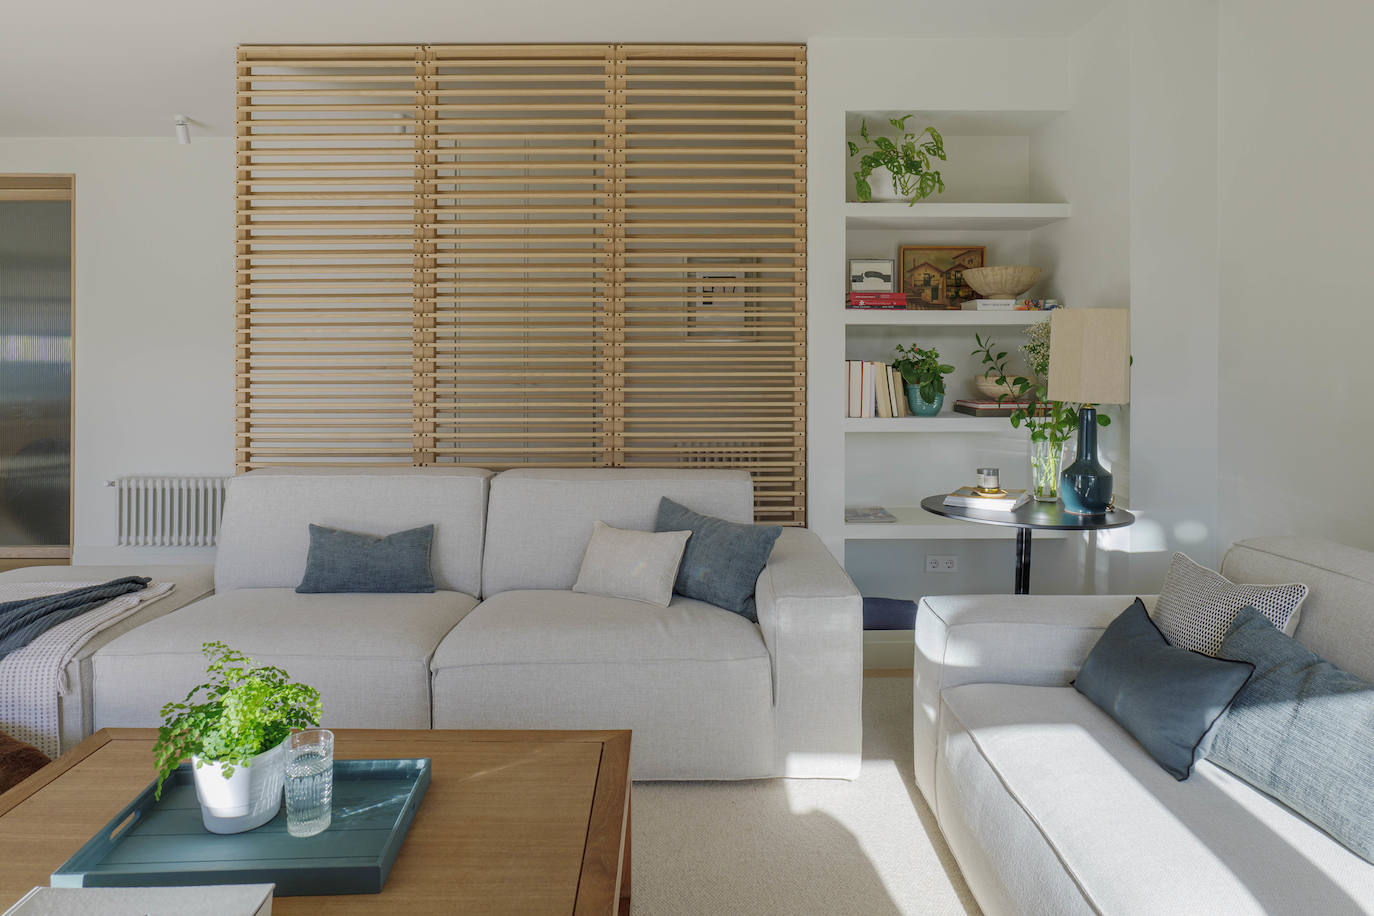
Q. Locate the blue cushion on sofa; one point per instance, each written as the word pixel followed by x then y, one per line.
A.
pixel 345 561
pixel 889 613
pixel 723 560
pixel 1166 697
pixel 1302 731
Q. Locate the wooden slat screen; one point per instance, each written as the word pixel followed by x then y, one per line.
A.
pixel 525 255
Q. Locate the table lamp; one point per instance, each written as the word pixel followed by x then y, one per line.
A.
pixel 1090 363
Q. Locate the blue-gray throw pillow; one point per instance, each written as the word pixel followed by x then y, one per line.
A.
pixel 723 560
pixel 1166 697
pixel 1302 731
pixel 345 561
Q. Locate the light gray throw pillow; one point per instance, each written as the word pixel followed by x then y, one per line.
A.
pixel 1197 605
pixel 1301 730
pixel 640 565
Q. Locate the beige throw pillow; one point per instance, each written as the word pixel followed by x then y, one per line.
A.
pixel 639 565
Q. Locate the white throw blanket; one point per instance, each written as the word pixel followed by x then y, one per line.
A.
pixel 32 678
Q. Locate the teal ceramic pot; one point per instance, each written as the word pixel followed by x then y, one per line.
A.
pixel 920 406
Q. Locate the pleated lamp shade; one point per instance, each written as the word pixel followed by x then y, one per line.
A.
pixel 1090 356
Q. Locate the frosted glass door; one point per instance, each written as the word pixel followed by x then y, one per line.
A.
pixel 35 375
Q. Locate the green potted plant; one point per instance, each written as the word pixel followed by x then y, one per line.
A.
pixel 906 157
pixel 924 375
pixel 234 735
pixel 1051 424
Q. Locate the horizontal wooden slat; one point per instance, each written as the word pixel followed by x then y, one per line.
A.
pixel 515 255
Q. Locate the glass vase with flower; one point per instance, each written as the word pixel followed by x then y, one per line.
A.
pixel 1051 424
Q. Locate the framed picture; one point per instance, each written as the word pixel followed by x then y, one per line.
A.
pixel 932 276
pixel 870 275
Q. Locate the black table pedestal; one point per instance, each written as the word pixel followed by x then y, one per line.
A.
pixel 1023 561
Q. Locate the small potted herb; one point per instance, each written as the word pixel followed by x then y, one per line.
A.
pixel 234 735
pixel 924 375
pixel 906 157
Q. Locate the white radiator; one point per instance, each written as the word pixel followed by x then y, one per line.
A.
pixel 169 511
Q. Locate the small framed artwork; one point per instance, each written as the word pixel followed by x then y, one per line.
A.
pixel 932 276
pixel 870 275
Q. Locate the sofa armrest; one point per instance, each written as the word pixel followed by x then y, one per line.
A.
pixel 1037 640
pixel 811 616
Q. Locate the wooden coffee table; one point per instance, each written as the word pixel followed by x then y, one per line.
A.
pixel 513 821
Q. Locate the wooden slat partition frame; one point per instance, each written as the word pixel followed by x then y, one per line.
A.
pixel 525 255
pixel 331 295
pixel 714 265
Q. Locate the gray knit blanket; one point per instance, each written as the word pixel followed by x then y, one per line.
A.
pixel 24 620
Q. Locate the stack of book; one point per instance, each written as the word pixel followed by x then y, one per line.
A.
pixel 877 300
pixel 996 501
pixel 875 390
pixel 977 407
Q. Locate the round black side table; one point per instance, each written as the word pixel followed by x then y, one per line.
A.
pixel 1033 515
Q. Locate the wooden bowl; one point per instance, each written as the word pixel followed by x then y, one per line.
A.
pixel 989 388
pixel 1001 282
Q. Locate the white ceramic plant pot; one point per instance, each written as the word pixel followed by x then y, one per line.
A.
pixel 247 799
pixel 879 182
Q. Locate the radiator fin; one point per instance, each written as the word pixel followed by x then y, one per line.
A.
pixel 169 511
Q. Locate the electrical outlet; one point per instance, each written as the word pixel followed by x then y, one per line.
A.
pixel 941 564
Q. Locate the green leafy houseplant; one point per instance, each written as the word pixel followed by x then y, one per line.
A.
pixel 907 157
pixel 245 711
pixel 923 369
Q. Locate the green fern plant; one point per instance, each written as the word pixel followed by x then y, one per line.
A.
pixel 907 157
pixel 245 710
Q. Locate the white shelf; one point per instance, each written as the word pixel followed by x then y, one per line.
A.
pixel 916 524
pixel 943 423
pixel 928 215
pixel 939 318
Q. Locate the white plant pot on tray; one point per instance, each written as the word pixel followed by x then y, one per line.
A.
pixel 247 799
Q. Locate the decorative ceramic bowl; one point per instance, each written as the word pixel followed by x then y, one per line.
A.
pixel 1001 282
pixel 989 387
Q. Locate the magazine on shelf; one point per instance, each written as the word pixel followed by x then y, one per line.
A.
pixel 867 515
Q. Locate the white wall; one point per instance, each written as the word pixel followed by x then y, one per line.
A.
pixel 1297 224
pixel 154 289
pixel 1174 283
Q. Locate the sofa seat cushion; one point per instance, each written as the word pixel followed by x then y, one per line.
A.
pixel 1045 765
pixel 368 655
pixel 693 681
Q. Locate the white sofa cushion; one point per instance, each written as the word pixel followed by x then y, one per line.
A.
pixel 539 521
pixel 691 680
pixel 1037 775
pixel 265 536
pixel 1338 616
pixel 368 655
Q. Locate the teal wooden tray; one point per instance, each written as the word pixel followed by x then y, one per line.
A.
pixel 163 843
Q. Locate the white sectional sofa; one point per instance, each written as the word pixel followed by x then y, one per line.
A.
pixel 504 642
pixel 1051 807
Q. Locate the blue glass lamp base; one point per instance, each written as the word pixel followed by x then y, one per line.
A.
pixel 1086 486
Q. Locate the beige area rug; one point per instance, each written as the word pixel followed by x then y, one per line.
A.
pixel 795 847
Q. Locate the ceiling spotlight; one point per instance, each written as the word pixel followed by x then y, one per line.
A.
pixel 183 128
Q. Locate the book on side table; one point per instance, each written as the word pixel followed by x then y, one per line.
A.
pixel 1000 501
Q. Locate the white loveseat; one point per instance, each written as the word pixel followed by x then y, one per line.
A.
pixel 504 642
pixel 1050 807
